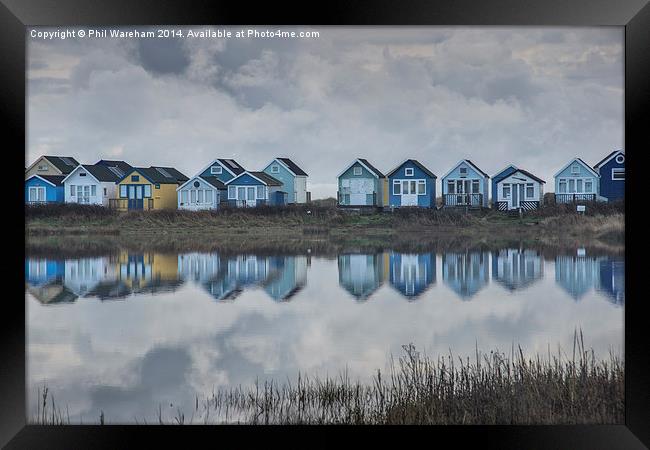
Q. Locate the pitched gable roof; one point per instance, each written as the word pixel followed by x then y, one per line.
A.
pixel 576 159
pixel 122 165
pixel 102 173
pixel 261 176
pixel 214 181
pixel 154 175
pixel 466 161
pixel 211 180
pixel 65 164
pixel 416 163
pixel 608 157
pixel 500 174
pixel 293 167
pixel 526 173
pixel 266 178
pixel 55 180
pixel 371 167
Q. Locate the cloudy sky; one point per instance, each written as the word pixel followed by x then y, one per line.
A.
pixel 535 97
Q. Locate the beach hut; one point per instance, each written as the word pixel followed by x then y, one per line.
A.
pixel 411 274
pixel 199 193
pixel 411 184
pixel 519 190
pixel 292 177
pixel 361 184
pixel 41 189
pixel 146 188
pixel 465 185
pixel 223 169
pixel 498 177
pixel 91 184
pixel 51 165
pixel 612 176
pixel 249 189
pixel 577 182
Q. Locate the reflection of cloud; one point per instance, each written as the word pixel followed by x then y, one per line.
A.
pixel 125 358
pixel 528 95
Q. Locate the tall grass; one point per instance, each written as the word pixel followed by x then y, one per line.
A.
pixel 487 388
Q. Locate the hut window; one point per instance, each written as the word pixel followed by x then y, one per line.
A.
pixel 200 196
pixel 105 192
pixel 183 197
pixel 275 169
pixel 408 172
pixel 618 174
pixel 147 190
pixel 260 192
pixel 135 178
pixel 422 187
pixel 397 187
pixel 82 174
pixel 620 159
pixel 43 168
pixel 72 190
pixel 575 169
pixel 588 186
pixel 215 170
pixel 451 187
pixel 192 196
pixel 357 170
pixel 572 186
pixel 578 185
pixel 93 190
pixel 530 190
pixel 208 196
pixel 232 192
pixel 562 186
pixel 157 186
pixel 197 184
pixel 506 191
pixel 463 171
pixel 123 191
pixel 475 187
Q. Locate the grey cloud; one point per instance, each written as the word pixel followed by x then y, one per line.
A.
pixel 528 96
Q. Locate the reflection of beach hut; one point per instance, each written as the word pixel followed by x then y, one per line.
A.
pixel 288 276
pixel 577 275
pixel 40 271
pixel 83 275
pixel 148 272
pixel 52 293
pixel 517 269
pixel 361 275
pixel 466 273
pixel 199 266
pixel 412 274
pixel 612 279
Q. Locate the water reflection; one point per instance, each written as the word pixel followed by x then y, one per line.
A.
pixel 466 273
pixel 206 320
pixel 412 274
pixel 361 275
pixel 517 268
pixel 283 277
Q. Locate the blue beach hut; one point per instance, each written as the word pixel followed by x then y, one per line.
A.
pixel 411 184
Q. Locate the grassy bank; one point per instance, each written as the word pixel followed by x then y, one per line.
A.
pixel 487 388
pixel 604 221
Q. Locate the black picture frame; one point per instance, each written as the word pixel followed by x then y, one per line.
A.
pixel 634 15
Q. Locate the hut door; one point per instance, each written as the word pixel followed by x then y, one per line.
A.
pixel 515 196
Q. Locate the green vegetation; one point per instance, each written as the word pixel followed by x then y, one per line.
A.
pixel 489 388
pixel 601 220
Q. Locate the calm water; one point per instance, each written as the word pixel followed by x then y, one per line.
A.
pixel 128 331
